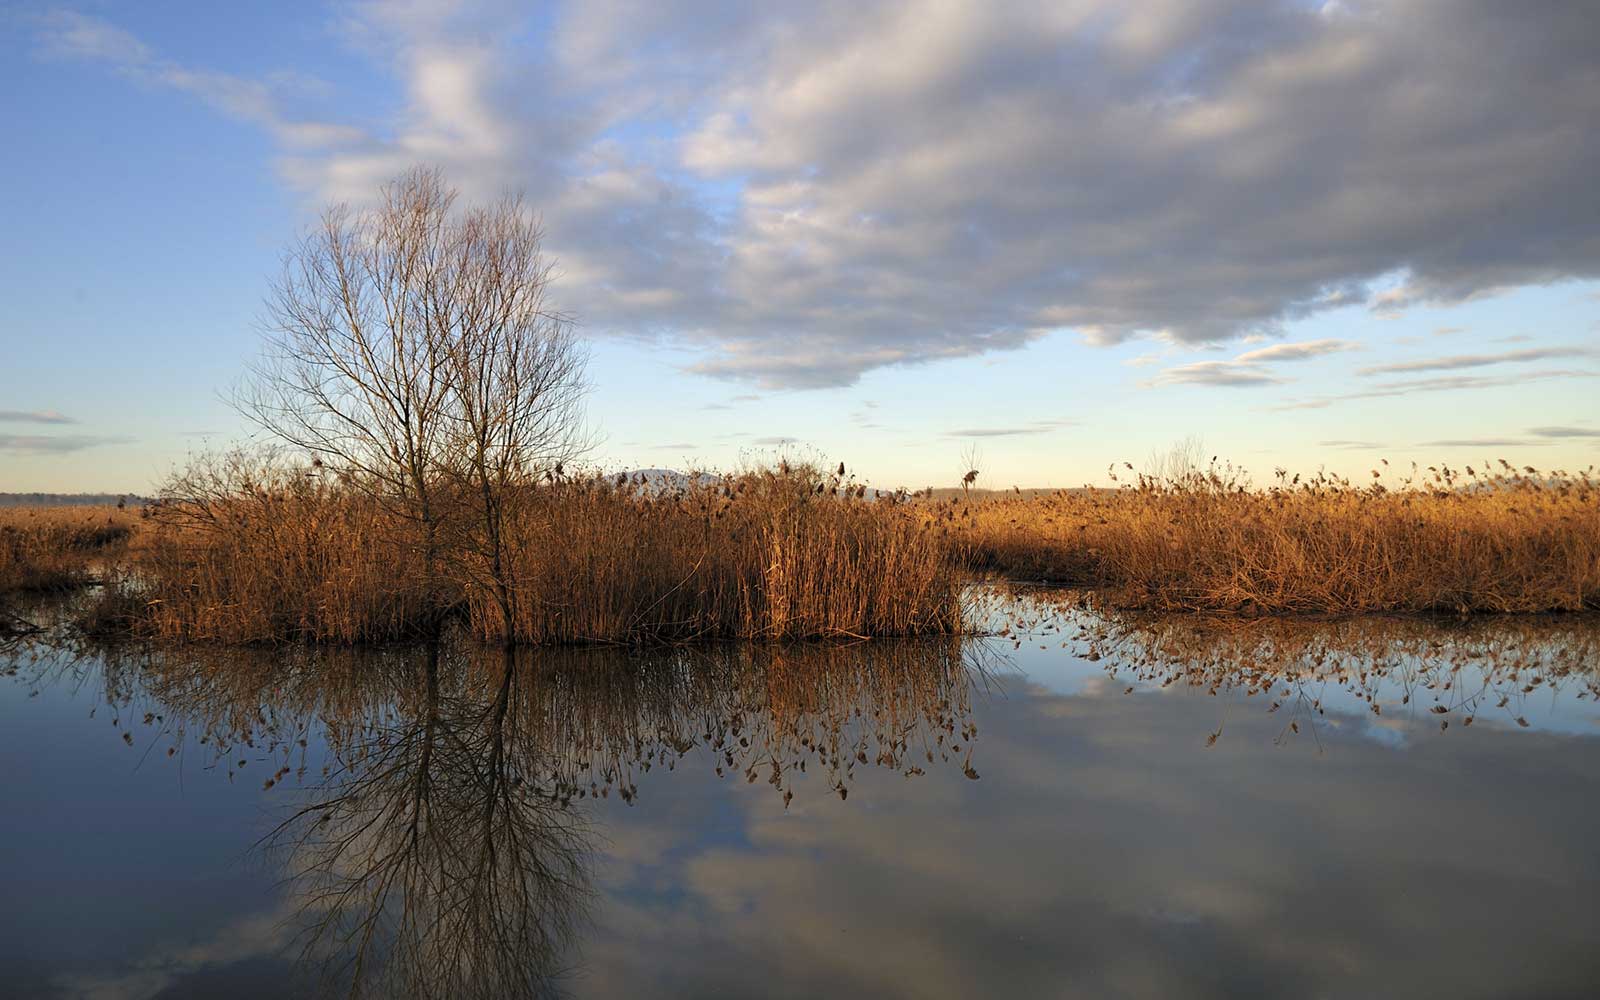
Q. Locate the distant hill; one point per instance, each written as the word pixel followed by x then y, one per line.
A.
pixel 68 499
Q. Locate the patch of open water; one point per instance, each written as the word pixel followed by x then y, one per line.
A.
pixel 1078 806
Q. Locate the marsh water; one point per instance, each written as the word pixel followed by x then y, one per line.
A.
pixel 1074 806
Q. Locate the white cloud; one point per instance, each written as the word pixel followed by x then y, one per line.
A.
pixel 811 191
pixel 1459 361
pixel 1297 352
pixel 1250 368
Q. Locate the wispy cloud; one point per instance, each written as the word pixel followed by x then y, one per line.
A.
pixel 1220 373
pixel 1565 432
pixel 1443 383
pixel 1301 351
pixel 56 444
pixel 34 417
pixel 1459 361
pixel 1490 442
pixel 990 432
pixel 1250 368
pixel 72 35
pixel 1353 445
pixel 776 441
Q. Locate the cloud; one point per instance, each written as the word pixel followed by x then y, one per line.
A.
pixel 60 444
pixel 1353 445
pixel 1221 373
pixel 71 35
pixel 1476 360
pixel 765 184
pixel 778 441
pixel 1480 443
pixel 1565 432
pixel 1297 352
pixel 1443 383
pixel 1445 331
pixel 1248 369
pixel 34 417
pixel 984 432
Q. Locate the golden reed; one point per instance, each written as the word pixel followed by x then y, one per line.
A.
pixel 774 554
pixel 1441 540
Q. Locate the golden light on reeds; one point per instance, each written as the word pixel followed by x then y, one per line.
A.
pixel 1438 540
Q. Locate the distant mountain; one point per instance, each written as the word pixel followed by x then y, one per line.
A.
pixel 69 499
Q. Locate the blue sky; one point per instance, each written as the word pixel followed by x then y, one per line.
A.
pixel 1067 233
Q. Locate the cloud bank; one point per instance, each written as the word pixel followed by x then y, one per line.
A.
pixel 807 192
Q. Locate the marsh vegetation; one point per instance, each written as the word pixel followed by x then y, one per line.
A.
pixel 1203 537
pixel 428 471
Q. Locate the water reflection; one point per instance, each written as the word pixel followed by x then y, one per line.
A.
pixel 430 862
pixel 432 842
pixel 1507 671
pixel 461 821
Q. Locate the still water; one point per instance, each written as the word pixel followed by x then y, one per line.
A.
pixel 1075 807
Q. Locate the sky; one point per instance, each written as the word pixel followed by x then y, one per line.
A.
pixel 1065 234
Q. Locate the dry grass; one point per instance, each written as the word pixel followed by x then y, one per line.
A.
pixel 1444 540
pixel 772 554
pixel 270 554
pixel 768 555
pixel 290 558
pixel 46 549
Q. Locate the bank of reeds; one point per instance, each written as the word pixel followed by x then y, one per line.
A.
pixel 1443 540
pixel 772 554
pixel 52 549
pixel 282 557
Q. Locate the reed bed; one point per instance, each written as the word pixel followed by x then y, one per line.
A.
pixel 52 549
pixel 284 557
pixel 1440 540
pixel 772 554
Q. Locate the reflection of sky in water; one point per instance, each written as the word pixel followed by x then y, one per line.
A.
pixel 1105 850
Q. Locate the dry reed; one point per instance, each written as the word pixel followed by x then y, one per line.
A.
pixel 1442 540
pixel 46 549
pixel 259 555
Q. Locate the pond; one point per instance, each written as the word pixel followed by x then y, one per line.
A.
pixel 1076 806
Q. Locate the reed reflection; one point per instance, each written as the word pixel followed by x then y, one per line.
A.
pixel 1449 672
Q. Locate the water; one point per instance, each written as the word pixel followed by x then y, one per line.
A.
pixel 1078 807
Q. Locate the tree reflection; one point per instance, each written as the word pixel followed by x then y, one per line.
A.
pixel 428 864
pixel 437 840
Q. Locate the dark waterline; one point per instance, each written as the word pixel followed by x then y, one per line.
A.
pixel 1077 808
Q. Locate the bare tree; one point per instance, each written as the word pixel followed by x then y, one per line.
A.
pixel 516 380
pixel 413 353
pixel 353 373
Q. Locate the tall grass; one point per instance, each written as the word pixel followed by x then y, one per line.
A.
pixel 282 557
pixel 773 554
pixel 1440 540
pixel 45 549
pixel 263 554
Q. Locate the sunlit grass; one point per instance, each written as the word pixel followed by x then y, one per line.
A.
pixel 1438 540
pixel 45 549
pixel 784 553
